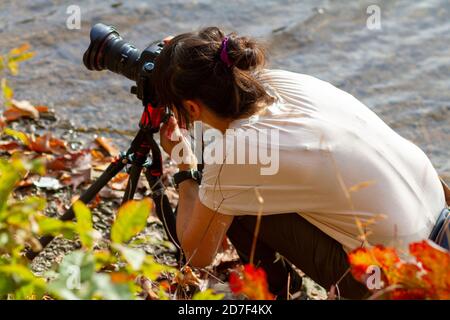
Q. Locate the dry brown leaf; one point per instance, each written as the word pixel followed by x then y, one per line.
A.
pixel 20 109
pixel 94 203
pixel 106 144
pixel 42 109
pixel 147 288
pixel 2 123
pixel 70 161
pixel 10 146
pixel 47 144
pixel 120 181
pixel 28 181
pixel 187 277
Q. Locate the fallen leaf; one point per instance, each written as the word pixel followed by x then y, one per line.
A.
pixel 106 144
pixel 187 277
pixel 147 287
pixel 10 146
pixel 122 277
pixel 20 109
pixel 47 144
pixel 70 161
pixel 28 181
pixel 42 109
pixel 120 181
pixel 94 203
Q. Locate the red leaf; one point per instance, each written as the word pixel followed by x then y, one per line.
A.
pixel 252 282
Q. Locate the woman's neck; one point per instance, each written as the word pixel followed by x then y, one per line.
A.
pixel 218 123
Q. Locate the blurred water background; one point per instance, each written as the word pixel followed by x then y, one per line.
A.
pixel 402 71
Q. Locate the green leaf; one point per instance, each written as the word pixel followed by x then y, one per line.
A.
pixel 27 206
pixel 21 282
pixel 77 280
pixel 13 67
pixel 131 219
pixel 103 259
pixel 134 257
pixel 8 93
pixel 22 57
pixel 208 294
pixel 75 276
pixel 6 286
pixel 55 227
pixel 106 289
pixel 153 270
pixel 18 135
pixel 9 176
pixel 18 271
pixel 84 224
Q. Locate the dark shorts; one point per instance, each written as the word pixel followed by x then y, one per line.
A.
pixel 315 253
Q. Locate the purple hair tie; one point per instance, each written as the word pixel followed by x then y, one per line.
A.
pixel 224 53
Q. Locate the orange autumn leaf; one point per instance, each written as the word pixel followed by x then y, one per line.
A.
pixel 436 263
pixel 360 260
pixel 21 49
pixel 98 157
pixel 252 282
pixel 95 202
pixel 120 181
pixel 47 144
pixel 42 109
pixel 107 146
pixel 121 277
pixel 409 294
pixel 386 257
pixel 428 277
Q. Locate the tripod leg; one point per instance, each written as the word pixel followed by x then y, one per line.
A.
pixel 163 208
pixel 113 169
pixel 135 172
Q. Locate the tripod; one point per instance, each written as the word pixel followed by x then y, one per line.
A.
pixel 142 146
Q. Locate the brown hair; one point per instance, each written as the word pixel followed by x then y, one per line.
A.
pixel 189 68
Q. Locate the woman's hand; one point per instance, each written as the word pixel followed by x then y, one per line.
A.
pixel 175 144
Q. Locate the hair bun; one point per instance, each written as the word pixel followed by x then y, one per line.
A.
pixel 244 53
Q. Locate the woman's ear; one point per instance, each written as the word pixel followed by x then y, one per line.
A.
pixel 193 108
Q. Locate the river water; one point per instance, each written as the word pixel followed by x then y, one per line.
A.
pixel 401 71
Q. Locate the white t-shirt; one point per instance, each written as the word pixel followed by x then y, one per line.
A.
pixel 340 167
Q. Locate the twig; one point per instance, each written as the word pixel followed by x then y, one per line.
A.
pixel 258 224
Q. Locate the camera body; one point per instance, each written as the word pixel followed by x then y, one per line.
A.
pixel 108 50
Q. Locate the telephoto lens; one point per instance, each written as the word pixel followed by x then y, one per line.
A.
pixel 108 50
